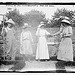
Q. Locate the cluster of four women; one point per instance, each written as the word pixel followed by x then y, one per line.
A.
pixel 65 50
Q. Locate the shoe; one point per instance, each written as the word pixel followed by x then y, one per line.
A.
pixel 42 60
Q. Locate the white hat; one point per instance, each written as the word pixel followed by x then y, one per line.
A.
pixel 65 21
pixel 26 25
pixel 41 24
pixel 10 21
pixel 67 18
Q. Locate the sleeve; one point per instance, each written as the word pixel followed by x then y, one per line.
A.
pixel 47 33
pixel 31 37
pixel 70 30
pixel 37 35
pixel 37 32
pixel 21 38
pixel 3 33
pixel 60 31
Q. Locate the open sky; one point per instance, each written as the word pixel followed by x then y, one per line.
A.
pixel 48 10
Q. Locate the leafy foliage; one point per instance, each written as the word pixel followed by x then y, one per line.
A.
pixel 61 12
pixel 34 17
pixel 16 17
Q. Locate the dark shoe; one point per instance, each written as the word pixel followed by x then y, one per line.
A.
pixel 42 59
pixel 47 59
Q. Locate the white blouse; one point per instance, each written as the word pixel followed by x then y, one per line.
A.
pixel 67 31
pixel 42 32
pixel 26 36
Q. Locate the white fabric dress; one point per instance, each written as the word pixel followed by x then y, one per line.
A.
pixel 65 51
pixel 26 43
pixel 42 48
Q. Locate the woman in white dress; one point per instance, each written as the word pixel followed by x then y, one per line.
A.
pixel 26 41
pixel 65 52
pixel 42 52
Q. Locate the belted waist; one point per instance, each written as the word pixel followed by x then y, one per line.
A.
pixel 66 37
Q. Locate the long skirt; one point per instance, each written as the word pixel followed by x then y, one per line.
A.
pixel 42 49
pixel 65 51
pixel 10 48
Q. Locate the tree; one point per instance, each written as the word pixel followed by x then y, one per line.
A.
pixel 34 17
pixel 16 17
pixel 61 12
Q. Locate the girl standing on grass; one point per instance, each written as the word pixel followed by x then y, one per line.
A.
pixel 65 51
pixel 26 42
pixel 42 52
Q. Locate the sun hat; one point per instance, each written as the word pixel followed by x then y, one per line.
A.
pixel 65 21
pixel 41 24
pixel 10 21
pixel 26 25
pixel 67 18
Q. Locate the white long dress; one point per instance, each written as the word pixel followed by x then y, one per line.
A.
pixel 26 43
pixel 42 48
pixel 65 51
